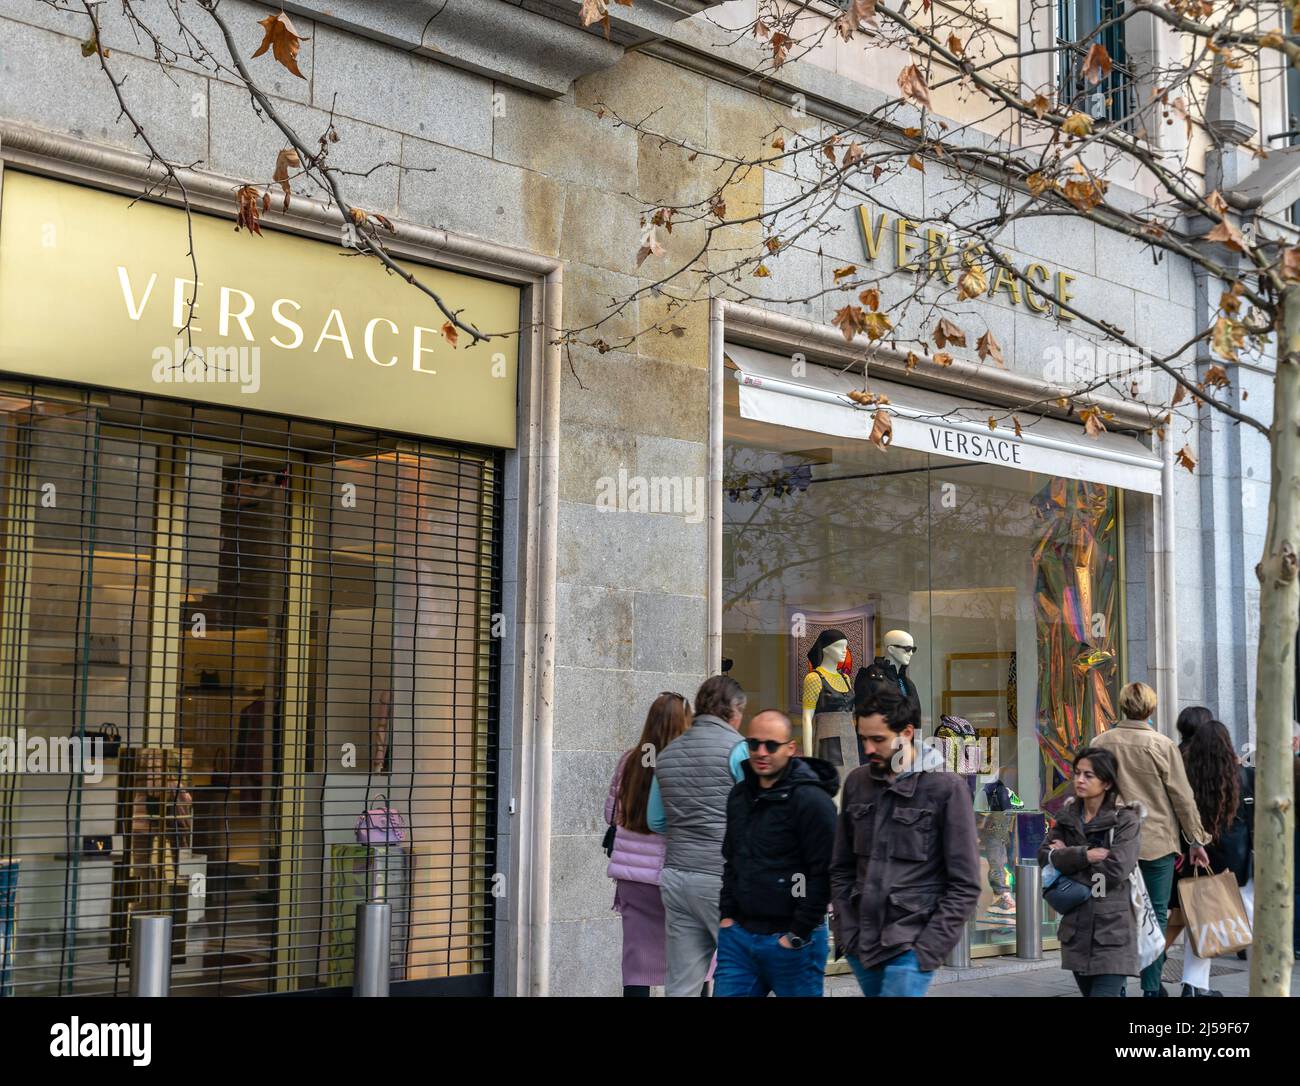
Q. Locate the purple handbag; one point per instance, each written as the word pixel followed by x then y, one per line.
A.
pixel 381 825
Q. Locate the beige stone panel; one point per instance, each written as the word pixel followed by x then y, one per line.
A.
pixel 659 96
pixel 601 229
pixel 593 295
pixel 866 61
pixel 623 391
pixel 555 137
pixel 742 125
pixel 588 455
pixel 667 177
pixel 675 330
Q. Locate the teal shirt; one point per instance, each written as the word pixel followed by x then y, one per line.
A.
pixel 655 817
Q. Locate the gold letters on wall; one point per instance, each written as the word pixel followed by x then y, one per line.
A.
pixel 911 249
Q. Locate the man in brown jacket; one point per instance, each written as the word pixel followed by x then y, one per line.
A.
pixel 905 870
pixel 1151 773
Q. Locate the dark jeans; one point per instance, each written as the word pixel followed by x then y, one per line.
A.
pixel 1103 984
pixel 750 964
pixel 1159 877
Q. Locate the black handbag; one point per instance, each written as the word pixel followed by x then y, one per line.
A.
pixel 608 843
pixel 1066 894
pixel 108 735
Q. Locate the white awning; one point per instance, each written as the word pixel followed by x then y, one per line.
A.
pixel 935 423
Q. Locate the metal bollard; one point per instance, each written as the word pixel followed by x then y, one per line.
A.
pixel 151 955
pixel 959 955
pixel 1029 911
pixel 370 965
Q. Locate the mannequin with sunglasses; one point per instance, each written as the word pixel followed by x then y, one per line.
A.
pixel 828 704
pixel 889 672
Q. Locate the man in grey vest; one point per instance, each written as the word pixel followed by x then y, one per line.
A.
pixel 694 775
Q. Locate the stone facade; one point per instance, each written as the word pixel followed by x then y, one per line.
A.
pixel 536 162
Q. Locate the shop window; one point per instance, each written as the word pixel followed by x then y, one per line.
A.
pixel 1080 23
pixel 1008 581
pixel 285 625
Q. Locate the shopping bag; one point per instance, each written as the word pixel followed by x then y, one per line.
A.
pixel 1217 923
pixel 1150 939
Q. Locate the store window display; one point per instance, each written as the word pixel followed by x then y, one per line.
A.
pixel 995 597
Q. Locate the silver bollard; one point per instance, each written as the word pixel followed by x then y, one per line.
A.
pixel 370 966
pixel 1029 911
pixel 151 955
pixel 959 955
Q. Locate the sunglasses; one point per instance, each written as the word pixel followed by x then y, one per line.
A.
pixel 673 694
pixel 768 746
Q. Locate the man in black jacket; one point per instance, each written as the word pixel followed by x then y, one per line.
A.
pixel 776 868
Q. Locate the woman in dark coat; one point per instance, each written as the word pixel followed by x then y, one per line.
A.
pixel 1095 842
pixel 1225 799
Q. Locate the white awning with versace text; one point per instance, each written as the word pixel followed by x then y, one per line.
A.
pixel 936 423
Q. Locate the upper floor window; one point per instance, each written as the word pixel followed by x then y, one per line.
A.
pixel 1079 23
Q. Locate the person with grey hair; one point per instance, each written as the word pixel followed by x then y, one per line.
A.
pixel 694 775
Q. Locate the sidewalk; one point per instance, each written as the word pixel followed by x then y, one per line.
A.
pixel 1010 977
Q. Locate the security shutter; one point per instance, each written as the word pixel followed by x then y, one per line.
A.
pixel 267 628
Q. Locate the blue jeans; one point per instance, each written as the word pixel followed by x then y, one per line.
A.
pixel 753 965
pixel 901 976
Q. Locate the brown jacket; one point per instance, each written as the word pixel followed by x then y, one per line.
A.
pixel 905 870
pixel 1099 936
pixel 1151 773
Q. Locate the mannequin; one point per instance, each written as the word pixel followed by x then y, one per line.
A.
pixel 828 704
pixel 891 670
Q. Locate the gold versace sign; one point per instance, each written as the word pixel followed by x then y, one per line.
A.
pixel 94 290
pixel 943 262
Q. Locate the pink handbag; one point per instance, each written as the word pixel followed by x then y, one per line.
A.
pixel 381 826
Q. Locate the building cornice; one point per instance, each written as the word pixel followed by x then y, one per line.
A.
pixel 783 334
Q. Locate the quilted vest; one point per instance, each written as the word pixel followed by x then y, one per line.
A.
pixel 694 781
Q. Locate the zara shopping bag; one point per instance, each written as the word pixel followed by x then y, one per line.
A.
pixel 1216 918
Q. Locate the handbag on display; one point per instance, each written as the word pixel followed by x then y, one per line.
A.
pixel 1063 893
pixel 1216 918
pixel 381 825
pixel 108 735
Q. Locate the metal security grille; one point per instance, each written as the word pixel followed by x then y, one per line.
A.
pixel 224 638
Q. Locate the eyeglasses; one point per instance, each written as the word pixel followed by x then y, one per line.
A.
pixel 904 648
pixel 769 746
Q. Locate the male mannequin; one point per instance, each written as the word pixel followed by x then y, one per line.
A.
pixel 890 670
pixel 828 704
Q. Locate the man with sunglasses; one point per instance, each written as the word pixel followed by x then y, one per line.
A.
pixel 776 868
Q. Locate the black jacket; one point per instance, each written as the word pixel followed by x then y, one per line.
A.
pixel 776 854
pixel 881 674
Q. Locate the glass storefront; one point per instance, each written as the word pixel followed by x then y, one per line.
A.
pixel 273 626
pixel 1009 581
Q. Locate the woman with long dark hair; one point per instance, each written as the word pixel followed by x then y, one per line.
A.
pixel 1189 719
pixel 1224 790
pixel 638 854
pixel 1095 844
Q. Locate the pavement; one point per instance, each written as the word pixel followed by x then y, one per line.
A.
pixel 1011 977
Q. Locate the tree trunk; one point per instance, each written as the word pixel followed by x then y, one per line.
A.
pixel 1279 609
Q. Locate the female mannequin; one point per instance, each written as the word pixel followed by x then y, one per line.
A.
pixel 828 705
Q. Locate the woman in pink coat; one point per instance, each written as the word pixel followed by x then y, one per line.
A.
pixel 638 854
